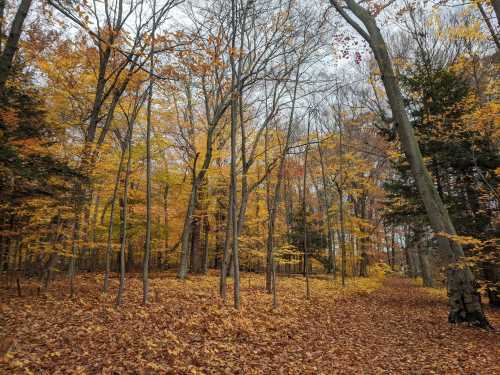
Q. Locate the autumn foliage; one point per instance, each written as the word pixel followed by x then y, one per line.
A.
pixel 297 187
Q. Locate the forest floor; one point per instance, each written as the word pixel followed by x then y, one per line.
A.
pixel 372 326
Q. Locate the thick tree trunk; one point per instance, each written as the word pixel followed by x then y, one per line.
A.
pixel 183 265
pixel 492 274
pixel 206 232
pixel 363 264
pixel 496 8
pixel 422 253
pixel 425 268
pixel 465 304
pixel 196 254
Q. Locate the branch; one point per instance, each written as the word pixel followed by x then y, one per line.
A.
pixel 350 21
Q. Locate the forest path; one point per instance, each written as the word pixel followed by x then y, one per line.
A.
pixel 396 329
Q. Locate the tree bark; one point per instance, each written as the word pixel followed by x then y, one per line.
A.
pixel 423 257
pixel 121 288
pixel 12 43
pixel 465 304
pixel 304 211
pixel 196 255
pixel 149 182
pixel 331 238
pixel 274 203
pixel 111 222
pixel 74 252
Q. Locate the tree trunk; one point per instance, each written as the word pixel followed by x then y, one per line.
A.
pixel 74 252
pixel 492 274
pixel 332 261
pixel 149 182
pixel 197 178
pixel 183 265
pixel 274 203
pixel 340 192
pixel 196 255
pixel 111 222
pixel 121 288
pixel 93 249
pixel 12 42
pixel 496 8
pixel 304 212
pixel 425 269
pixel 166 224
pixel 206 232
pixel 465 304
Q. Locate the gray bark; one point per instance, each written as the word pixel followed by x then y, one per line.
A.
pixel 304 212
pixel 149 182
pixel 274 203
pixel 121 288
pixel 464 301
pixel 111 222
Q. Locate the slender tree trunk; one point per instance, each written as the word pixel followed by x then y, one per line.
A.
pixel 11 45
pixel 93 265
pixel 149 182
pixel 304 212
pixel 225 258
pixel 363 241
pixel 274 203
pixel 275 294
pixel 74 253
pixel 111 222
pixel 233 188
pixel 130 256
pixel 490 26
pixel 340 191
pixel 331 239
pixel 166 224
pixel 121 288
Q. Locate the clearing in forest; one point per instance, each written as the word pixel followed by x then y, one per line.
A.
pixel 370 327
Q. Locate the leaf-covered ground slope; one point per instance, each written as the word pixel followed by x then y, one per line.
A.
pixel 397 328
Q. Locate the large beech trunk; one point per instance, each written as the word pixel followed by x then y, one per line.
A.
pixel 464 301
